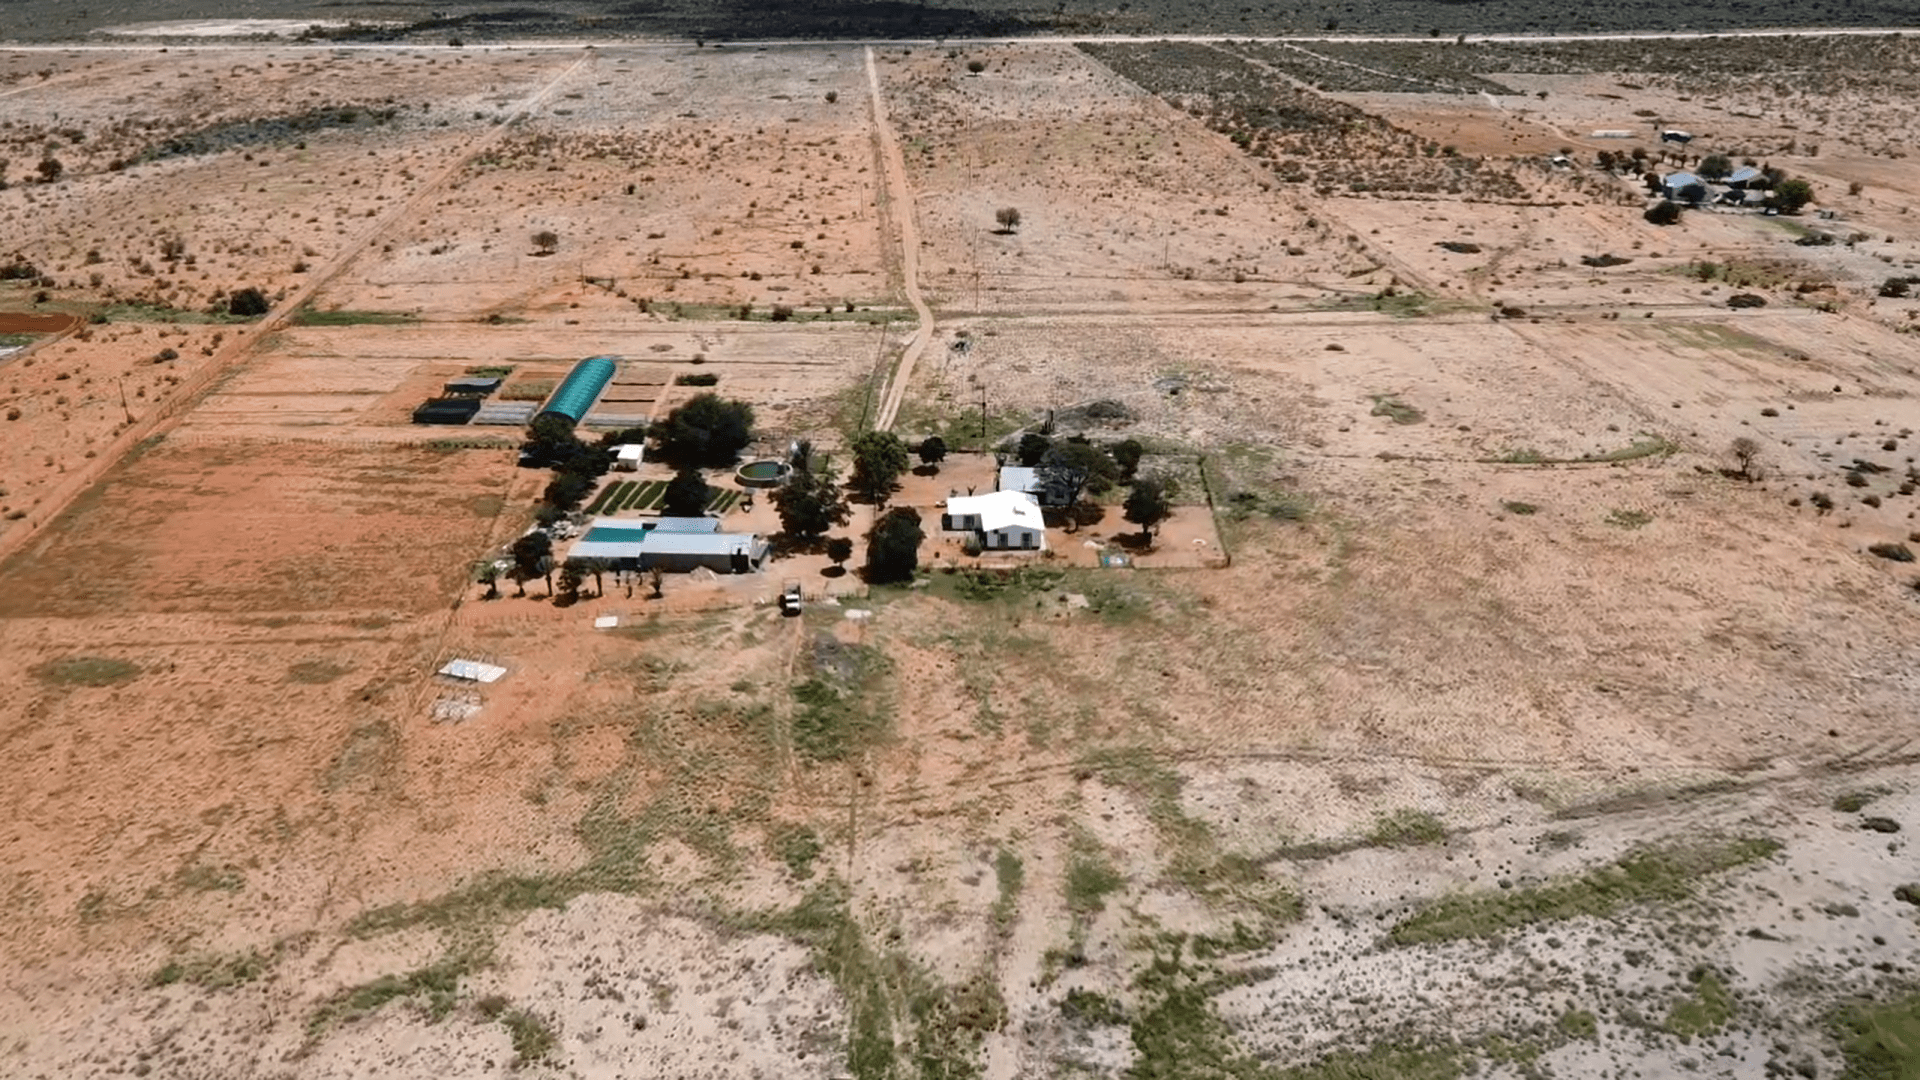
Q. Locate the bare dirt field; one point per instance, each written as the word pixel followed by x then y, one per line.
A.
pixel 1520 687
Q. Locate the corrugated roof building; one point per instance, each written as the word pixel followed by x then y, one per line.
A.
pixel 580 389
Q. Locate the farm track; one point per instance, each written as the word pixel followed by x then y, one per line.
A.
pixel 901 203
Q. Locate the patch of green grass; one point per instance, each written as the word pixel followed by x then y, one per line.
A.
pixel 1521 509
pixel 490 371
pixel 160 313
pixel 1706 1008
pixel 438 984
pixel 315 672
pixel 1522 456
pixel 1438 1062
pixel 1628 519
pixel 1880 1040
pixel 1011 875
pixel 1176 1032
pixel 199 877
pixel 212 971
pixel 14 341
pixel 830 724
pixel 1852 802
pixel 1092 1007
pixel 797 846
pixel 308 316
pixel 1643 446
pixel 1407 828
pixel 1579 1024
pixel 527 390
pixel 95 671
pixel 956 421
pixel 1396 410
pixel 486 900
pixel 1644 876
pixel 534 1039
pixel 1091 877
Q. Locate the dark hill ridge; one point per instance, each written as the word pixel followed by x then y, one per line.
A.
pixel 49 20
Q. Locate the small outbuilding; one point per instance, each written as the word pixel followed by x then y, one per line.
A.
pixel 471 385
pixel 447 410
pixel 674 545
pixel 1003 521
pixel 1746 176
pixel 627 456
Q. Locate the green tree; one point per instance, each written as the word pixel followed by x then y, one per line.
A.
pixel 840 549
pixel 1033 447
pixel 1664 212
pixel 520 575
pixel 1126 454
pixel 248 303
pixel 546 240
pixel 1791 196
pixel 1716 166
pixel 1147 505
pixel 533 557
pixel 571 578
pixel 1072 467
pixel 705 430
pixel 50 169
pixel 893 546
pixel 687 495
pixel 550 439
pixel 932 450
pixel 489 575
pixel 1008 217
pixel 809 503
pixel 566 490
pixel 879 457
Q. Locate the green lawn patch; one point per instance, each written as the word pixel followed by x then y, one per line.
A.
pixel 93 671
pixel 160 313
pixel 1407 828
pixel 1880 1041
pixel 648 496
pixel 1647 875
pixel 530 390
pixel 307 316
pixel 438 983
pixel 1705 1010
pixel 533 1039
pixel 1396 410
pixel 1629 519
pixel 212 971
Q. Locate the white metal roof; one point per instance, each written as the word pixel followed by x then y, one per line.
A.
pixel 630 451
pixel 999 510
pixel 473 671
pixel 1019 478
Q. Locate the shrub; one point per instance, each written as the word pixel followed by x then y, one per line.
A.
pixel 705 430
pixel 1664 212
pixel 976 66
pixel 248 303
pixel 1746 300
pixel 1892 552
pixel 696 378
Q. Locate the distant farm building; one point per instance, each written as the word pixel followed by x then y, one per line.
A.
pixel 1683 187
pixel 1612 133
pixel 1675 135
pixel 1746 176
pixel 580 389
pixel 1047 486
pixel 470 384
pixel 674 545
pixel 452 410
pixel 1003 521
pixel 627 456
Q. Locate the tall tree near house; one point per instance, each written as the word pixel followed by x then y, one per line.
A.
pixel 1716 166
pixel 533 556
pixel 809 503
pixel 879 457
pixel 571 578
pixel 704 430
pixel 520 575
pixel 1147 505
pixel 1126 454
pixel 893 546
pixel 932 451
pixel 687 495
pixel 840 549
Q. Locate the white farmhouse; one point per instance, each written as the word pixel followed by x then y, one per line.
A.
pixel 1003 520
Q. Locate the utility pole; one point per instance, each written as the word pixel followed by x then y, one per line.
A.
pixel 983 418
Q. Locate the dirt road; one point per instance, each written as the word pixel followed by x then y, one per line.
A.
pixel 901 197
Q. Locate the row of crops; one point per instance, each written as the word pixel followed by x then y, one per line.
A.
pixel 641 496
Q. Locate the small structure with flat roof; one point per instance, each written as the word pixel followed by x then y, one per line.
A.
pixel 628 456
pixel 471 384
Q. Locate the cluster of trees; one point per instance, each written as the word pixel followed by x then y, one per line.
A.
pixel 810 502
pixel 1075 466
pixel 552 443
pixel 705 431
